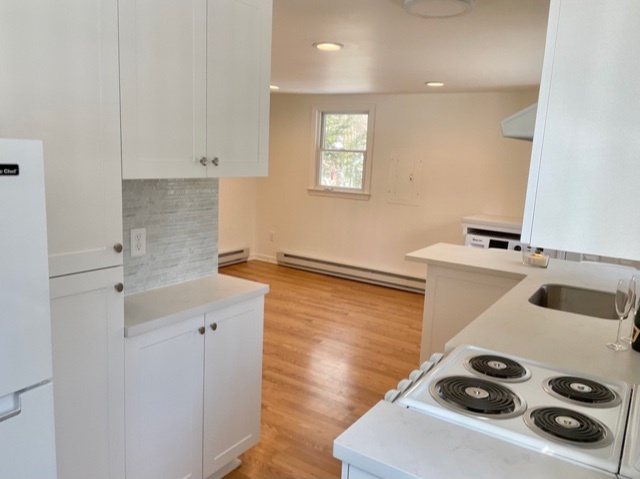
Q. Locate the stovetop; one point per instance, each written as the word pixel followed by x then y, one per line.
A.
pixel 574 416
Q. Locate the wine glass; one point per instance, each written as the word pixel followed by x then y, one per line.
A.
pixel 634 307
pixel 623 306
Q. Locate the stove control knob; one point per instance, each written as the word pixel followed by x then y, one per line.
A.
pixel 415 375
pixel 391 395
pixel 436 357
pixel 426 366
pixel 404 384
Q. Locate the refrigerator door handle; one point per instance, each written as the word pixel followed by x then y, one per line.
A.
pixel 14 403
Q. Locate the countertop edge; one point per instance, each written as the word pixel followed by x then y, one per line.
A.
pixel 154 309
pixel 393 441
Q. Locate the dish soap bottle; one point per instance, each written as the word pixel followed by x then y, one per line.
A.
pixel 635 337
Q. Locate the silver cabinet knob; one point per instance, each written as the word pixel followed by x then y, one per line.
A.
pixel 213 326
pixel 117 247
pixel 119 287
pixel 215 161
pixel 204 161
pixel 201 330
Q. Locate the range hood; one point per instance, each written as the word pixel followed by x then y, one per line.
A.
pixel 520 125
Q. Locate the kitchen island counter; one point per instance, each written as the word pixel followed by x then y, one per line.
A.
pixel 513 325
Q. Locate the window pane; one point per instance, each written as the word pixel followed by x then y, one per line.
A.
pixel 345 131
pixel 342 170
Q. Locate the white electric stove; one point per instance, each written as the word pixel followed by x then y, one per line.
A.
pixel 630 466
pixel 571 416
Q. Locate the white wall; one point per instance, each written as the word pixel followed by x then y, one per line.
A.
pixel 468 168
pixel 237 214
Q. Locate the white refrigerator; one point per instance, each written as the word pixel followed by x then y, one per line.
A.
pixel 27 438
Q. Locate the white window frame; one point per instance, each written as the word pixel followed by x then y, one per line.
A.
pixel 315 188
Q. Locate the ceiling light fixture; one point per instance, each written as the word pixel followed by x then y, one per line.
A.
pixel 434 83
pixel 437 8
pixel 328 46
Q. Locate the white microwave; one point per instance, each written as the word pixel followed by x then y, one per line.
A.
pixel 498 241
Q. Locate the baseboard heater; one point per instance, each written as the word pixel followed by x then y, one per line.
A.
pixel 233 257
pixel 356 273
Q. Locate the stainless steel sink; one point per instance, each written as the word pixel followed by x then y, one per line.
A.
pixel 576 300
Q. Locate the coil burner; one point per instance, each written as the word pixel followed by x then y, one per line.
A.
pixel 568 427
pixel 581 391
pixel 497 367
pixel 477 397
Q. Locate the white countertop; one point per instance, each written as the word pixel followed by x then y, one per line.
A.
pixel 507 224
pixel 394 442
pixel 160 307
pixel 514 326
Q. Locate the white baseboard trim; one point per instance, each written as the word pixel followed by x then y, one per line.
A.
pixel 356 273
pixel 232 257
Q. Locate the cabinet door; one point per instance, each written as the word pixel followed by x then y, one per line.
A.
pixel 164 402
pixel 163 87
pixel 233 382
pixel 582 191
pixel 87 323
pixel 238 75
pixel 59 83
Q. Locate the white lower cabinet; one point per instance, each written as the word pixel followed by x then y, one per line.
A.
pixel 87 332
pixel 193 394
pixel 351 472
pixel 453 298
pixel 164 402
pixel 232 382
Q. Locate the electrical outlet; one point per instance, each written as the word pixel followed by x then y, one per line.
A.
pixel 138 242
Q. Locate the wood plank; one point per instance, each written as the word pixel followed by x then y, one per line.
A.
pixel 332 348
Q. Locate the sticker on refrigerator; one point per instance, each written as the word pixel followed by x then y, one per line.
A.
pixel 9 170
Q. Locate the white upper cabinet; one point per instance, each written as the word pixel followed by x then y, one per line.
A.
pixel 59 83
pixel 583 183
pixel 194 87
pixel 163 87
pixel 238 74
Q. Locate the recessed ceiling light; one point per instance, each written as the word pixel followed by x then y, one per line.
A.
pixel 437 8
pixel 328 46
pixel 274 87
pixel 434 83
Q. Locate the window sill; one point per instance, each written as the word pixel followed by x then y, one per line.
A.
pixel 356 195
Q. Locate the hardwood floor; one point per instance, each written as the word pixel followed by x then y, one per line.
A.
pixel 332 348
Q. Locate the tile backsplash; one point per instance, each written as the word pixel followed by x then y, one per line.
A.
pixel 181 221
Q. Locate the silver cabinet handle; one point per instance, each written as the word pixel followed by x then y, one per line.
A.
pixel 213 326
pixel 215 161
pixel 204 161
pixel 117 247
pixel 201 330
pixel 119 287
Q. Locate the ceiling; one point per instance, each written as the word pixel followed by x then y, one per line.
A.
pixel 498 45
